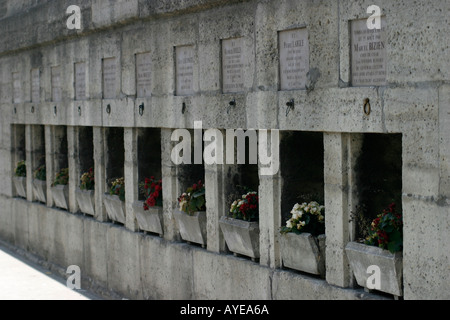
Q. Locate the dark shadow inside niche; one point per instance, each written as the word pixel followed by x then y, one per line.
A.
pixel 188 174
pixel 61 148
pixel 115 154
pixel 379 177
pixel 149 155
pixel 302 169
pixel 38 145
pixel 18 143
pixel 86 148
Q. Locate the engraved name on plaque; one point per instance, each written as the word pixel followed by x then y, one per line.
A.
pixel 80 81
pixel 144 75
pixel 294 59
pixel 233 65
pixel 184 70
pixel 17 88
pixel 35 86
pixel 368 54
pixel 56 84
pixel 109 78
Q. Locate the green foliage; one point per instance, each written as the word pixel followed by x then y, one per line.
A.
pixel 193 199
pixel 387 230
pixel 41 173
pixel 87 181
pixel 62 178
pixel 307 217
pixel 118 188
pixel 21 169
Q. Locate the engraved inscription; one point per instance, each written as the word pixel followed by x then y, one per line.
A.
pixel 233 65
pixel 185 70
pixel 56 84
pixel 109 78
pixel 80 81
pixel 368 51
pixel 35 86
pixel 17 88
pixel 144 75
pixel 294 59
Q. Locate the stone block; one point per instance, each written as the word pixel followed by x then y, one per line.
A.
pixel 149 220
pixel 86 201
pixel 40 190
pixel 242 237
pixel 60 195
pixel 20 184
pixel 115 208
pixel 192 227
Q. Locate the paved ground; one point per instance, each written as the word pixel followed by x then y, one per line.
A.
pixel 22 280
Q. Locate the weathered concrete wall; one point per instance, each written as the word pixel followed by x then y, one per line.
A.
pixel 415 102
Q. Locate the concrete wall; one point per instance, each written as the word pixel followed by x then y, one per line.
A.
pixel 414 102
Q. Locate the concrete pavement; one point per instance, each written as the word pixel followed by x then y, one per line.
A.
pixel 24 280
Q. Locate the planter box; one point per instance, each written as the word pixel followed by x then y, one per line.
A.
pixel 60 195
pixel 115 208
pixel 304 252
pixel 242 237
pixel 192 228
pixel 20 183
pixel 86 201
pixel 40 190
pixel 362 256
pixel 150 220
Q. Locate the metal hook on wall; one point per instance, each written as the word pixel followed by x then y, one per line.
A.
pixel 366 106
pixel 79 111
pixel 54 110
pixel 290 106
pixel 232 104
pixel 108 109
pixel 183 108
pixel 141 109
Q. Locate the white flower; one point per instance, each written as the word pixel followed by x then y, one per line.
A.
pixel 289 224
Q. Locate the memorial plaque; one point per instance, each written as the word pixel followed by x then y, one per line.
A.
pixel 109 78
pixel 56 84
pixel 80 81
pixel 294 59
pixel 17 88
pixel 144 75
pixel 185 70
pixel 368 54
pixel 35 86
pixel 233 65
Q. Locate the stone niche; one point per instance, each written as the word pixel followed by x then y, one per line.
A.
pixel 114 153
pixel 149 155
pixel 302 169
pixel 18 154
pixel 379 176
pixel 86 148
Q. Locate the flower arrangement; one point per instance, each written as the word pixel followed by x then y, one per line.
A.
pixel 246 208
pixel 40 173
pixel 152 190
pixel 193 199
pixel 307 217
pixel 118 188
pixel 386 230
pixel 62 178
pixel 21 169
pixel 87 181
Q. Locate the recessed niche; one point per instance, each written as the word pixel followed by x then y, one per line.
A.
pixel 379 176
pixel 149 155
pixel 302 169
pixel 86 148
pixel 188 174
pixel 114 154
pixel 61 160
pixel 18 155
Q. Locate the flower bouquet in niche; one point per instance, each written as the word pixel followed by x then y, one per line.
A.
pixel 191 215
pixel 20 181
pixel 60 190
pixel 241 227
pixel 303 239
pixel 86 192
pixel 149 213
pixel 381 248
pixel 39 184
pixel 115 201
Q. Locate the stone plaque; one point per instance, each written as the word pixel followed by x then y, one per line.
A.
pixel 17 88
pixel 35 86
pixel 368 54
pixel 56 84
pixel 294 58
pixel 185 70
pixel 233 65
pixel 109 78
pixel 144 75
pixel 80 81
